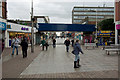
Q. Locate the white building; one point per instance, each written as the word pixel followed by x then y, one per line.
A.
pixel 19 31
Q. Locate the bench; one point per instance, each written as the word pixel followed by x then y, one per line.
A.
pixel 111 46
pixel 90 45
pixel 112 50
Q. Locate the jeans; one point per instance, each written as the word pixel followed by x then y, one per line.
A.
pixel 14 50
pixel 67 48
pixel 77 57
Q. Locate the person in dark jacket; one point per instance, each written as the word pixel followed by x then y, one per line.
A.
pixel 67 43
pixel 76 50
pixel 3 44
pixel 24 45
pixel 46 44
pixel 54 43
pixel 72 42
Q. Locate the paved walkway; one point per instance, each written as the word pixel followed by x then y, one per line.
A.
pixel 57 63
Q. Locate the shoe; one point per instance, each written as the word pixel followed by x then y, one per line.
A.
pixel 78 64
pixel 75 64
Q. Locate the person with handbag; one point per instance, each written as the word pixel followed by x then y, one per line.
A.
pixel 76 51
pixel 15 43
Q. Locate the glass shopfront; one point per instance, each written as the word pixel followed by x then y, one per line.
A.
pixel 19 36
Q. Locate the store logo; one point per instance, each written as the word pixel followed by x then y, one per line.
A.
pixel 25 29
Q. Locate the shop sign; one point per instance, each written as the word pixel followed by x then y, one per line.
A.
pixel 25 29
pixel 118 26
pixel 8 26
pixel 2 26
pixel 106 33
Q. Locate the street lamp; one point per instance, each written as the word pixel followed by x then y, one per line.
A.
pixel 96 23
pixel 32 30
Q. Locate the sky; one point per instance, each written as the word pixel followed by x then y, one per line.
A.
pixel 59 11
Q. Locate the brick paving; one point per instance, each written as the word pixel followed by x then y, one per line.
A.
pixel 92 74
pixel 14 66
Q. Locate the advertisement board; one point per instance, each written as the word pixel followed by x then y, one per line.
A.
pixel 118 26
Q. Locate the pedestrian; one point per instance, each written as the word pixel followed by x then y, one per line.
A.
pixel 96 41
pixel 24 46
pixel 3 44
pixel 46 44
pixel 76 51
pixel 54 43
pixel 15 43
pixel 67 43
pixel 43 43
pixel 72 42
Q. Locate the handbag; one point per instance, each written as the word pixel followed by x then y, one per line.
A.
pixel 73 52
pixel 12 45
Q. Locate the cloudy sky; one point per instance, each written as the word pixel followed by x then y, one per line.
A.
pixel 59 11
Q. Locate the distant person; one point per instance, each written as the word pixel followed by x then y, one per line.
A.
pixel 24 46
pixel 72 42
pixel 15 43
pixel 67 43
pixel 54 43
pixel 46 44
pixel 43 43
pixel 96 41
pixel 76 51
pixel 3 44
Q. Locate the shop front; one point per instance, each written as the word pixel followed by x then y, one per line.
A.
pixel 118 30
pixel 19 31
pixel 106 36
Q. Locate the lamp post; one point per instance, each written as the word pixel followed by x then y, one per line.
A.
pixel 32 30
pixel 96 23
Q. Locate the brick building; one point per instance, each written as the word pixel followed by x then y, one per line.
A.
pixel 117 22
pixel 4 9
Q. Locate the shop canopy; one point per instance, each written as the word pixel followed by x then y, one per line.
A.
pixel 65 27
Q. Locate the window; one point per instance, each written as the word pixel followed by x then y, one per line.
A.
pixel 77 21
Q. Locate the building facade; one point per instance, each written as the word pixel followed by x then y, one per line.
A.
pixel 0 8
pixel 91 15
pixel 117 22
pixel 4 9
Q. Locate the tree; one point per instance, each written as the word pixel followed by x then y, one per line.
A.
pixel 107 24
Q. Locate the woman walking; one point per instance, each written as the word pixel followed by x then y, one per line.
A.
pixel 76 51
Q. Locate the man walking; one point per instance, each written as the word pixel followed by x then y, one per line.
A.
pixel 67 43
pixel 54 43
pixel 24 45
pixel 76 51
pixel 15 43
pixel 72 42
